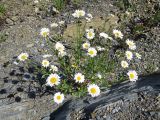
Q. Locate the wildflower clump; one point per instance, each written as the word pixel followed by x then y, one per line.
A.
pixel 80 68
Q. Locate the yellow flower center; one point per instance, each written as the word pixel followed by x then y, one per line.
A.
pixel 90 34
pixel 91 52
pixel 128 55
pixel 78 78
pixel 117 34
pixel 23 57
pixel 131 75
pixel 80 13
pixel 86 46
pixel 93 90
pixel 44 34
pixel 130 44
pixel 58 97
pixel 45 63
pixel 60 48
pixel 124 64
pixel 53 80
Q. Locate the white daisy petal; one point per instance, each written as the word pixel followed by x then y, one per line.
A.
pixel 54 25
pixel 124 64
pixel 44 32
pixel 117 34
pixel 59 46
pixel 78 13
pixel 104 35
pixel 131 44
pixel 129 55
pixel 138 56
pixel 54 68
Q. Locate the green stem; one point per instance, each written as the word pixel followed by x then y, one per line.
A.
pixel 78 44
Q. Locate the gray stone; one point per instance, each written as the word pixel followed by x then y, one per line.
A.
pixel 9 21
pixel 15 18
pixel 30 45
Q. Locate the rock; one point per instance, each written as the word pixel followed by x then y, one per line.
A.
pixel 29 109
pixel 46 118
pixel 71 30
pixel 15 18
pixel 125 101
pixel 9 21
pixel 30 45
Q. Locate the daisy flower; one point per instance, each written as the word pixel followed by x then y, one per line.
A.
pixel 45 63
pixel 89 17
pixel 78 13
pixel 129 55
pixel 58 97
pixel 117 34
pixel 23 56
pixel 79 77
pixel 132 75
pixel 99 48
pixel 93 90
pixel 53 79
pixel 86 45
pixel 131 44
pixel 99 75
pixel 44 32
pixel 92 52
pixel 36 1
pixel 90 34
pixel 62 53
pixel 54 68
pixel 59 46
pixel 138 56
pixel 104 35
pixel 54 25
pixel 124 64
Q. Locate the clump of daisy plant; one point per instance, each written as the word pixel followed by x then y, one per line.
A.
pixel 82 67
